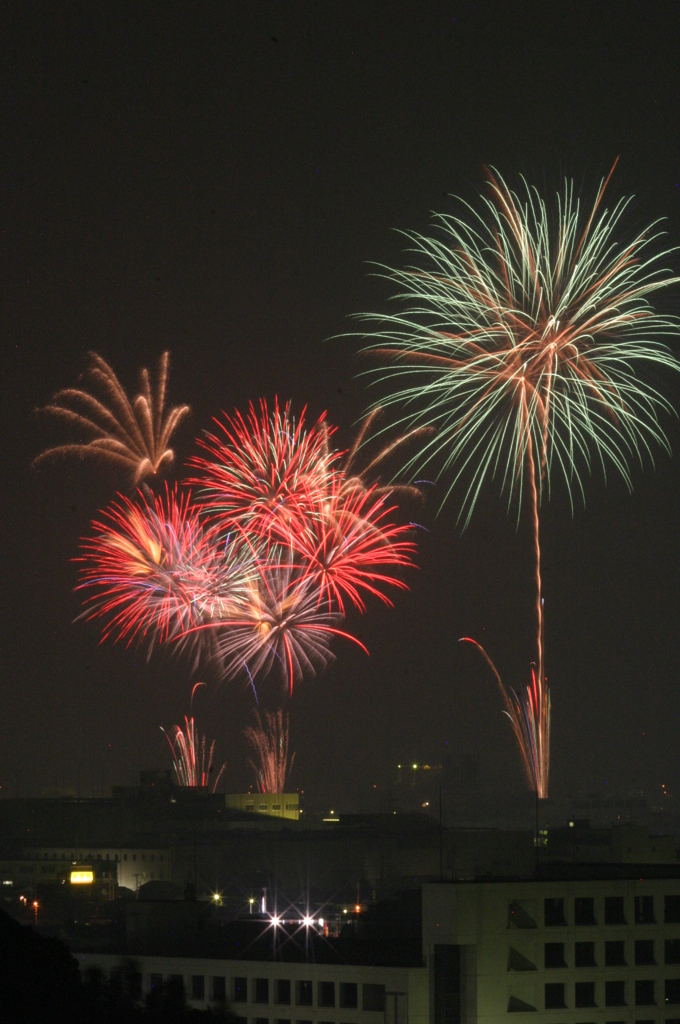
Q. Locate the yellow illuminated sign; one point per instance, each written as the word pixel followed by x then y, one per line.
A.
pixel 82 877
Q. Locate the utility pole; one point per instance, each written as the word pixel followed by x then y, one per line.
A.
pixel 441 837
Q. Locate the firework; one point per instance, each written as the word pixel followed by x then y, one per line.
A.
pixel 133 434
pixel 282 622
pixel 188 755
pixel 366 477
pixel 347 547
pixel 154 573
pixel 266 472
pixel 271 749
pixel 523 340
pixel 529 712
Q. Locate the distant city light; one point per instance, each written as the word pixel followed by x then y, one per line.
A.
pixel 276 921
pixel 307 921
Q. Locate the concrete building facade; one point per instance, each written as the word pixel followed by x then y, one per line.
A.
pixel 285 993
pixel 571 952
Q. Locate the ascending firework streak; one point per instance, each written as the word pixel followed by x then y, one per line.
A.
pixel 134 434
pixel 529 714
pixel 188 754
pixel 523 342
pixel 271 748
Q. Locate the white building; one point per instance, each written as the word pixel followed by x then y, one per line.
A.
pixel 576 952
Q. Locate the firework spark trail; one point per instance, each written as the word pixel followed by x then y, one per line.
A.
pixel 271 748
pixel 529 712
pixel 523 341
pixel 188 754
pixel 134 434
pixel 155 574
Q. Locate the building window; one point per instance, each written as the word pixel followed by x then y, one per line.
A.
pixel 644 910
pixel 261 990
pixel 614 911
pixel 276 807
pixel 554 912
pixel 615 993
pixel 282 1020
pixel 174 989
pixel 348 995
pixel 240 990
pixel 584 910
pixel 644 952
pixel 519 916
pixel 554 996
pixel 282 992
pixel 261 1020
pixel 198 986
pixel 671 909
pixel 156 982
pixel 219 990
pixel 584 993
pixel 303 993
pixel 584 954
pixel 250 807
pixel 373 997
pixel 644 992
pixel 263 807
pixel 671 951
pixel 615 954
pixel 554 954
pixel 326 993
pixel 672 990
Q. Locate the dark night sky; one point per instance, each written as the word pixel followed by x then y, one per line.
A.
pixel 213 178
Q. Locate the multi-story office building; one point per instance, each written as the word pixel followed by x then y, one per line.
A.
pixel 583 951
pixel 286 993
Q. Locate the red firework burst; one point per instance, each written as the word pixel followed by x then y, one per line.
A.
pixel 264 473
pixel 154 573
pixel 347 546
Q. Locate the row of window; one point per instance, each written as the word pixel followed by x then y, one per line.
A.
pixel 99 856
pixel 555 911
pixel 372 995
pixel 274 807
pixel 644 954
pixel 614 993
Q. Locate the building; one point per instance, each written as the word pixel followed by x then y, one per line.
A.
pixel 587 947
pixel 277 805
pixel 285 993
pixel 129 867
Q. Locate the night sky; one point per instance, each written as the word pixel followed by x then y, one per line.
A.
pixel 214 179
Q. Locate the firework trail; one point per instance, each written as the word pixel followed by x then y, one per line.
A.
pixel 156 575
pixel 264 473
pixel 366 477
pixel 523 340
pixel 134 434
pixel 529 714
pixel 188 755
pixel 271 749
